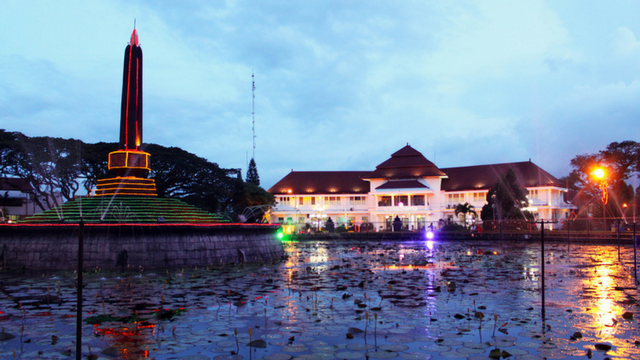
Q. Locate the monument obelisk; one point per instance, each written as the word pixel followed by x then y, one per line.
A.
pixel 129 162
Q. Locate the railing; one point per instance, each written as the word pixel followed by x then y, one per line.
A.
pixel 591 228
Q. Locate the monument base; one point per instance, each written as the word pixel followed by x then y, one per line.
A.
pixel 126 186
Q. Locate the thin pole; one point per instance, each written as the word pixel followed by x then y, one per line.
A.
pixel 79 291
pixel 635 253
pixel 542 265
pixel 618 236
pixel 568 236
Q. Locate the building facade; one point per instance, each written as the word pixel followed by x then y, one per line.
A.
pixel 407 187
pixel 15 200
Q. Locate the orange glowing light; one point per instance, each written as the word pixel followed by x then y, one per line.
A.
pixel 600 174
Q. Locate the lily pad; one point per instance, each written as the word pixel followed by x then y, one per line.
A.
pixel 260 344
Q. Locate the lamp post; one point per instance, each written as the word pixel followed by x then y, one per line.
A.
pixel 601 176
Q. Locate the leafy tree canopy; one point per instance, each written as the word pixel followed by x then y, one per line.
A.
pixel 55 165
pixel 506 199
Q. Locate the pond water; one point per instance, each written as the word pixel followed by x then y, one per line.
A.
pixel 328 300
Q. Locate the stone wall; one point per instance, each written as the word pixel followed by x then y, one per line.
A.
pixel 55 246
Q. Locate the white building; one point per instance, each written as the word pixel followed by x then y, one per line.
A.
pixel 407 186
pixel 15 199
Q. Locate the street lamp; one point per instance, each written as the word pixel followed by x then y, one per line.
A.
pixel 601 176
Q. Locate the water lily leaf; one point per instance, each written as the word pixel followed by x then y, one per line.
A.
pixel 627 315
pixel 110 351
pixel 495 353
pixel 353 330
pixel 349 355
pixel 261 344
pixel 382 354
pixel 6 336
pixel 603 347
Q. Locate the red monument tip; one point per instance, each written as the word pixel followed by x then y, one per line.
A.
pixel 134 38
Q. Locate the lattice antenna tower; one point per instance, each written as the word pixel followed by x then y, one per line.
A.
pixel 253 113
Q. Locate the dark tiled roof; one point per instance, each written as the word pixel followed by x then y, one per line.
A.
pixel 322 182
pixel 15 184
pixel 402 184
pixel 406 163
pixel 485 176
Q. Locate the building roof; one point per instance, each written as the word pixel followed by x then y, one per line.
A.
pixel 406 163
pixel 402 184
pixel 15 184
pixel 403 169
pixel 322 182
pixel 483 177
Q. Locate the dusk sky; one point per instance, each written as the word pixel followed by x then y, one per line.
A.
pixel 340 85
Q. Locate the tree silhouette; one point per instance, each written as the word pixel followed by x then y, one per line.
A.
pixel 252 173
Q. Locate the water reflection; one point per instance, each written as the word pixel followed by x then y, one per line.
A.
pixel 328 298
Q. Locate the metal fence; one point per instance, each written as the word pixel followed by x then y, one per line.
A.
pixel 573 228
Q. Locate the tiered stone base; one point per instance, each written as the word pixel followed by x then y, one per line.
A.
pixel 126 186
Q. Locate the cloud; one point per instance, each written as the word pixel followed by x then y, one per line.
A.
pixel 339 85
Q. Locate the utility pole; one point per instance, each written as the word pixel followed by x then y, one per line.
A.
pixel 253 113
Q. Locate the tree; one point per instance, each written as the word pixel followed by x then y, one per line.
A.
pixel 506 199
pixel 50 165
pixel 95 163
pixel 59 166
pixel 252 173
pixel 618 160
pixel 465 209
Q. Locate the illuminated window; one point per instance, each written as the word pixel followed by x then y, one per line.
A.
pixel 365 219
pixel 313 201
pixel 417 200
pixel 358 200
pixel 455 198
pixel 301 199
pixel 478 196
pixel 533 194
pixel 332 200
pixel 384 201
pixel 404 199
pixel 284 200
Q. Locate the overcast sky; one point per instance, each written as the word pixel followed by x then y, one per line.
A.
pixel 340 85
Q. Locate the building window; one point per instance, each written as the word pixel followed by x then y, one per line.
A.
pixel 455 198
pixel 417 200
pixel 358 200
pixel 384 201
pixel 479 196
pixel 533 194
pixel 404 199
pixel 332 200
pixel 313 201
pixel 284 200
pixel 365 219
pixel 301 200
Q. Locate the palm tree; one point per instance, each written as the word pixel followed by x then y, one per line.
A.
pixel 465 209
